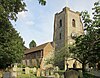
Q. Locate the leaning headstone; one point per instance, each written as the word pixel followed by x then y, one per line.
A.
pixel 71 74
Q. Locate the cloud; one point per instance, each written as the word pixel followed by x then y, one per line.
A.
pixel 25 18
pixel 22 15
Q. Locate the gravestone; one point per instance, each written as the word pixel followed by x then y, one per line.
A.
pixel 7 75
pixel 57 75
pixel 71 74
pixel 27 69
pixel 14 71
pixel 38 72
pixel 51 72
pixel 13 74
pixel 43 73
pixel 34 70
pixel 47 72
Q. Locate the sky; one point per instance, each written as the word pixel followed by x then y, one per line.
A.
pixel 37 23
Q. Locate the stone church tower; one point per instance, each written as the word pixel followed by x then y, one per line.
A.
pixel 67 25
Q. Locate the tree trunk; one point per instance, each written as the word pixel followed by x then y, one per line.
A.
pixel 83 68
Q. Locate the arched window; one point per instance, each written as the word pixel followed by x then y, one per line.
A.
pixel 73 22
pixel 75 64
pixel 60 23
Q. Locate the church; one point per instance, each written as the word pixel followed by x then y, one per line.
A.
pixel 67 25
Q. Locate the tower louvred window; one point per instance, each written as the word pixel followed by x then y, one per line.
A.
pixel 60 22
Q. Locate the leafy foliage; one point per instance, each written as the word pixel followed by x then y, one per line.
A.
pixel 11 45
pixel 9 8
pixel 42 2
pixel 86 75
pixel 86 48
pixel 32 44
pixel 59 57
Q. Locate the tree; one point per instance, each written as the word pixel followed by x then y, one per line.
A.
pixel 42 2
pixel 32 44
pixel 86 48
pixel 11 45
pixel 9 8
pixel 59 57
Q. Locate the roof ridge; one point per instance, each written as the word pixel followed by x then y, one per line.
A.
pixel 40 47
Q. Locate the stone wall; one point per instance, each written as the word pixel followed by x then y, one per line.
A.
pixel 67 16
pixel 59 30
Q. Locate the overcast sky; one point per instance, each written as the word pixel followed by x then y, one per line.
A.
pixel 37 23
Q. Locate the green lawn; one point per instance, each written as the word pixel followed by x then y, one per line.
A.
pixel 28 76
pixel 86 75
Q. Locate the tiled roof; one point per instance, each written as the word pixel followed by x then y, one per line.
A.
pixel 40 47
